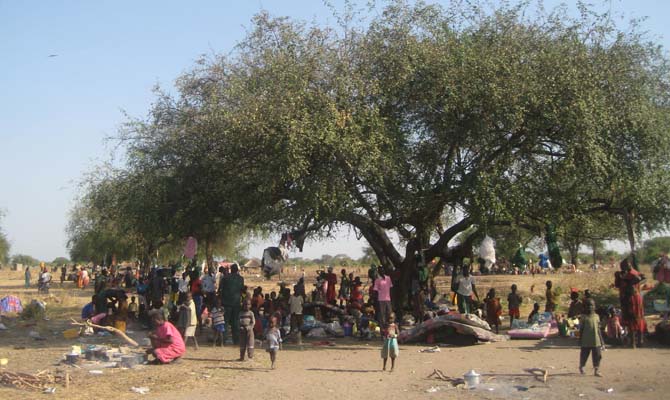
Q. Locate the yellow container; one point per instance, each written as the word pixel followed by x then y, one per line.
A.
pixel 120 325
pixel 72 333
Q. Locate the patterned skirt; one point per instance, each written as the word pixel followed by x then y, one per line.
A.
pixel 390 348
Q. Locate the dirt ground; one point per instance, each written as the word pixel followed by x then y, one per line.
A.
pixel 349 368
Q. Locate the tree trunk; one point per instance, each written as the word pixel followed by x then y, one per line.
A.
pixel 629 218
pixel 389 255
pixel 574 253
pixel 208 253
pixel 595 252
pixel 146 258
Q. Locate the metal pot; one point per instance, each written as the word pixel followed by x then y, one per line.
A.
pixel 131 360
pixel 471 378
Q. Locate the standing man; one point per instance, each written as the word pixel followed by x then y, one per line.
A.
pixel 101 281
pixel 27 275
pixel 230 291
pixel 466 288
pixel 382 286
pixel 209 288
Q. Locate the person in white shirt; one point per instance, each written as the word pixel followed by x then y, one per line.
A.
pixel 295 303
pixel 466 288
pixel 45 280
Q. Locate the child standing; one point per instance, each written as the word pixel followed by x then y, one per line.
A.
pixel 187 320
pixel 550 306
pixel 590 338
pixel 514 302
pixel 133 309
pixel 390 346
pixel 493 309
pixel 345 287
pixel 247 322
pixel 295 306
pixel 273 336
pixel 218 321
pixel 614 328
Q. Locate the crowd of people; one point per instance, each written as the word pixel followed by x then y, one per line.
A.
pixel 174 302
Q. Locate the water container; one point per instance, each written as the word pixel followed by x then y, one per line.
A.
pixel 348 329
pixel 471 378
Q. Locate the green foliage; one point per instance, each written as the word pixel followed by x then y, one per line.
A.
pixel 24 259
pixel 4 243
pixel 60 261
pixel 654 247
pixel 369 257
pixel 489 117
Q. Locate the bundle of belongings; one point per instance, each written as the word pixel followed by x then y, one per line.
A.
pixel 541 327
pixel 10 304
pixel 453 328
pixel 315 328
pixel 35 310
pixel 273 259
pixel 657 299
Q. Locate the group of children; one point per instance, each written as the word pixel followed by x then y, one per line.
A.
pixel 590 333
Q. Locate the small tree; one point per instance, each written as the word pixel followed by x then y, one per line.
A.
pixel 25 259
pixel 652 248
pixel 60 261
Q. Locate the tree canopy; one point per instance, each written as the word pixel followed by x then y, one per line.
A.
pixel 417 125
pixel 654 247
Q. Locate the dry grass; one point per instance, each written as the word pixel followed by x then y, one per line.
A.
pixel 214 368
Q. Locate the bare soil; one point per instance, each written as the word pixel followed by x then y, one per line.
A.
pixel 349 369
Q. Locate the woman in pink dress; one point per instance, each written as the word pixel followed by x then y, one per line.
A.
pixel 166 343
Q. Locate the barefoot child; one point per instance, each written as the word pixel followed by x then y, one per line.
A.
pixel 514 302
pixel 247 322
pixel 218 321
pixel 273 336
pixel 590 339
pixel 133 309
pixel 614 328
pixel 550 305
pixel 390 346
pixel 493 309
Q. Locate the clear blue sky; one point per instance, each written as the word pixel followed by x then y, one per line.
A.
pixel 55 112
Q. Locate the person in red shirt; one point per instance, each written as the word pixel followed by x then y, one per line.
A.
pixel 632 308
pixel 356 300
pixel 331 295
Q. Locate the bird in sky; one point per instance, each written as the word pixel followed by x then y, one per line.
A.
pixel 53 55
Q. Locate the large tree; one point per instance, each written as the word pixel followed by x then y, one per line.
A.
pixel 429 112
pixel 417 126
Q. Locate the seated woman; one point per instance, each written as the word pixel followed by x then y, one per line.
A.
pixel 167 344
pixel 89 310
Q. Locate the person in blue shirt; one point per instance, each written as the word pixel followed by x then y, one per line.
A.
pixel 89 309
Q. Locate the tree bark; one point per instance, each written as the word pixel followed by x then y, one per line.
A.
pixel 389 255
pixel 629 217
pixel 574 253
pixel 208 253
